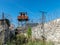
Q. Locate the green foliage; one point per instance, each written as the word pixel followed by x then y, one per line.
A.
pixel 21 39
pixel 32 43
pixel 29 32
pixel 0 43
pixel 39 43
pixel 50 43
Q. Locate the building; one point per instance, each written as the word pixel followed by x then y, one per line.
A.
pixel 4 30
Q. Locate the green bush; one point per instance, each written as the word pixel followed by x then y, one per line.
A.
pixel 21 39
pixel 29 32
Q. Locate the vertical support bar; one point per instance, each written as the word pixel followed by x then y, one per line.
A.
pixel 43 21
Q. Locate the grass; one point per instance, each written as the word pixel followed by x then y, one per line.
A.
pixel 20 39
pixel 33 43
pixel 39 43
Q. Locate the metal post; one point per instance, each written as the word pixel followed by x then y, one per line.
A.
pixel 3 28
pixel 43 21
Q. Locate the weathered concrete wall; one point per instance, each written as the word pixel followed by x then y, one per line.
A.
pixel 51 31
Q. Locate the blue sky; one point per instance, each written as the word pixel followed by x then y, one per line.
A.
pixel 32 7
